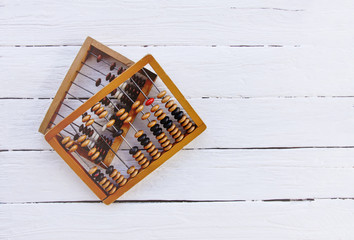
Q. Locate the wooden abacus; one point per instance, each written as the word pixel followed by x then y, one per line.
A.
pixel 90 136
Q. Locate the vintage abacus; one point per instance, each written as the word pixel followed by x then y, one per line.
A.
pixel 97 119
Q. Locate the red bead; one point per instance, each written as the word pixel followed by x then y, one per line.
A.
pixel 99 58
pixel 149 101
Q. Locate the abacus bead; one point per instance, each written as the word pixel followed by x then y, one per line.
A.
pixel 142 161
pixel 174 112
pixel 81 138
pixel 172 108
pixel 186 122
pixel 99 58
pixel 161 136
pixel 174 131
pixel 99 111
pixel 95 156
pixel 86 118
pixel 188 125
pixel 118 133
pixel 124 116
pixel 128 119
pixel 110 187
pixel 139 133
pixel 109 170
pixel 152 123
pixel 98 82
pixel 168 148
pixel 123 182
pixel 179 115
pixel 154 128
pixel 108 76
pixel 157 132
pixel 161 94
pixel 136 104
pixel 131 169
pixel 92 170
pixel 155 108
pixel 139 109
pixel 146 164
pixel 100 177
pixel 95 107
pixel 65 140
pixel 111 123
pixel 177 134
pixel 171 128
pixel 120 179
pixel 133 150
pixel 191 129
pixel 139 157
pixel 145 116
pixel 156 156
pixel 152 148
pixel 96 173
pixel 137 154
pixel 106 184
pixel 169 103
pixel 142 137
pixel 162 140
pixel 153 153
pixel 184 117
pixel 113 65
pixel 69 144
pixel 76 136
pixel 114 173
pixel 73 148
pixel 164 120
pixel 166 98
pixel 85 143
pixel 145 142
pixel 158 113
pixel 148 145
pixel 114 189
pixel 136 171
pixel 112 77
pixel 149 101
pixel 89 122
pixel 179 138
pixel 117 176
pixel 168 124
pixel 103 181
pixel 120 112
pixel 162 116
pixel 103 114
pixel 92 151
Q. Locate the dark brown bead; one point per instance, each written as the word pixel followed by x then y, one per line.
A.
pixel 99 58
pixel 98 82
pixel 113 65
pixel 114 92
pixel 108 76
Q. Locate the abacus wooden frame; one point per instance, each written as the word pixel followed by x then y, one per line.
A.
pixel 51 135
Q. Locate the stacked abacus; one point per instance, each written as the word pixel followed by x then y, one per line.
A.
pixel 90 137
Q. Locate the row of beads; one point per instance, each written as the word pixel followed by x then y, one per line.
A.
pixel 104 182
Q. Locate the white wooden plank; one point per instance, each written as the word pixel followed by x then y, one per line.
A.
pixel 152 22
pixel 249 220
pixel 232 123
pixel 198 71
pixel 193 175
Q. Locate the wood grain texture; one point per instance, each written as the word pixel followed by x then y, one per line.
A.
pixel 245 220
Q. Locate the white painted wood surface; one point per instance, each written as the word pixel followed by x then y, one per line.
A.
pixel 272 80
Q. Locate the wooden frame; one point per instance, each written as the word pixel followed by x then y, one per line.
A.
pixel 51 134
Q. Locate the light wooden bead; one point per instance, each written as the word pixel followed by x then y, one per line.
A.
pixel 180 138
pixel 99 111
pixel 165 143
pixel 162 116
pixel 172 108
pixel 177 134
pixel 166 99
pixel 103 114
pixel 148 145
pixel 124 116
pixel 92 151
pixel 141 162
pixel 97 106
pixel 73 148
pixel 162 140
pixel 155 108
pixel 188 126
pixel 191 129
pixel 85 143
pixel 137 154
pixel 106 184
pixel 161 136
pixel 152 123
pixel 139 109
pixel 89 122
pixel 103 181
pixel 128 119
pixel 114 173
pixel 169 104
pixel 92 170
pixel 171 128
pixel 86 118
pixel 153 153
pixel 168 148
pixel 158 113
pixel 69 144
pixel 152 148
pixel 174 131
pixel 131 169
pixel 186 122
pixel 109 187
pixel 123 182
pixel 81 138
pixel 117 176
pixel 145 116
pixel 120 112
pixel 134 173
pixel 138 133
pixel 65 140
pixel 146 164
pixel 119 179
pixel 156 156
pixel 182 119
pixel 95 156
pixel 141 156
pixel 110 123
pixel 114 189
pixel 136 104
pixel 161 94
